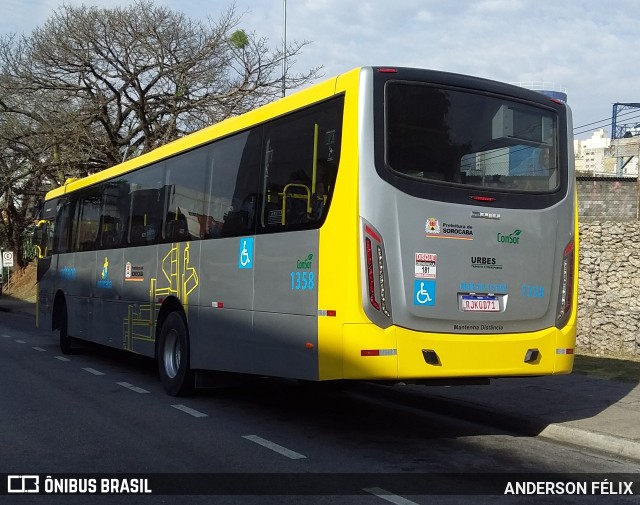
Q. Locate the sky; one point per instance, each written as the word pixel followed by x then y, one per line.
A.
pixel 585 47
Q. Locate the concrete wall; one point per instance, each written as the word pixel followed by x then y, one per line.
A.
pixel 609 288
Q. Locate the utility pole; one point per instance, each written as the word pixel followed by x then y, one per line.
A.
pixel 284 46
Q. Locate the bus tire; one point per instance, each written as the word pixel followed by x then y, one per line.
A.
pixel 173 356
pixel 66 342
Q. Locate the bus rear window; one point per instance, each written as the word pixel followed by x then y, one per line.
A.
pixel 473 139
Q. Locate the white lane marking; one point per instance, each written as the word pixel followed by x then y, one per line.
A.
pixel 132 387
pixel 39 349
pixel 274 447
pixel 6 336
pixel 62 358
pixel 390 497
pixel 190 411
pixel 19 341
pixel 93 371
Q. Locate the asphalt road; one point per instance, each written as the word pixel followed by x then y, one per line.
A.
pixel 102 411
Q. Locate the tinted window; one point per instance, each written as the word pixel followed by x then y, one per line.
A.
pixel 234 185
pixel 147 202
pixel 63 226
pixel 470 138
pixel 88 219
pixel 185 187
pixel 300 160
pixel 114 214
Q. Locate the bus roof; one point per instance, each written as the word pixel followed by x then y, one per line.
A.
pixel 264 113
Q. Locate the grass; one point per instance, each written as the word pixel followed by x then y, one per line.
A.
pixel 22 284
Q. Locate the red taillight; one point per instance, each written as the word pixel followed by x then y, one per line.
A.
pixel 376 280
pixel 371 231
pixel 566 283
pixel 371 282
pixel 482 198
pixel 568 249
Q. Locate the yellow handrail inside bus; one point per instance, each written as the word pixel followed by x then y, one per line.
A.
pixel 284 198
pixel 315 161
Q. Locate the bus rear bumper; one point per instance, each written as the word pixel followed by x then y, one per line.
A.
pixel 372 353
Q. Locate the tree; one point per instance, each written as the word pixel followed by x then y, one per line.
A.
pixel 93 87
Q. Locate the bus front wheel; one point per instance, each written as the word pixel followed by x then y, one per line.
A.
pixel 173 356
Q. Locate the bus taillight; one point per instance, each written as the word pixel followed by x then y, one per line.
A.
pixel 566 284
pixel 370 277
pixel 377 280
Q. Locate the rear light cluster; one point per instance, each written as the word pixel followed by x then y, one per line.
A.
pixel 566 284
pixel 377 285
pixel 371 283
pixel 383 291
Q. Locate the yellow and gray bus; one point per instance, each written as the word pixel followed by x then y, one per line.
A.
pixel 388 224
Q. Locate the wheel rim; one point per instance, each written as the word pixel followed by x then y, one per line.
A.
pixel 171 356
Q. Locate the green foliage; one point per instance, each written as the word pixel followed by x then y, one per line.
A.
pixel 239 39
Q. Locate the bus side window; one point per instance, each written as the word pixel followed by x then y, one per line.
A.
pixel 300 163
pixel 43 237
pixel 186 195
pixel 108 236
pixel 233 186
pixel 88 220
pixel 64 226
pixel 115 205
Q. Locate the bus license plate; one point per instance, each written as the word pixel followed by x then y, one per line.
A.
pixel 477 303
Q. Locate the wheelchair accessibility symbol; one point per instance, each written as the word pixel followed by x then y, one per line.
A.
pixel 245 253
pixel 424 293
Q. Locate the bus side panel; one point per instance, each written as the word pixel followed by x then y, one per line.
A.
pixel 280 345
pixel 134 310
pixel 286 304
pixel 221 335
pixel 78 293
pixel 339 285
pixel 105 290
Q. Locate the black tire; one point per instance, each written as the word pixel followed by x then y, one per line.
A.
pixel 66 342
pixel 173 356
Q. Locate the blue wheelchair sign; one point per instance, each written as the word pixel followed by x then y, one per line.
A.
pixel 424 293
pixel 245 253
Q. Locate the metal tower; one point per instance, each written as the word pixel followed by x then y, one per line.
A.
pixel 618 128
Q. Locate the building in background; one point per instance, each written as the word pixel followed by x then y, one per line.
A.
pixel 599 156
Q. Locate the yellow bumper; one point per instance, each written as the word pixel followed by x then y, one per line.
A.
pixel 370 352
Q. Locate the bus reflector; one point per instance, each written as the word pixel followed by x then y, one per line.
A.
pixel 327 313
pixel 379 352
pixel 565 351
pixel 309 345
pixel 387 70
pixel 217 305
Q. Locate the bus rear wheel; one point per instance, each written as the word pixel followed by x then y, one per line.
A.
pixel 173 356
pixel 67 343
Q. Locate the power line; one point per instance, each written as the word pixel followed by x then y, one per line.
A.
pixel 608 122
pixel 605 119
pixel 602 126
